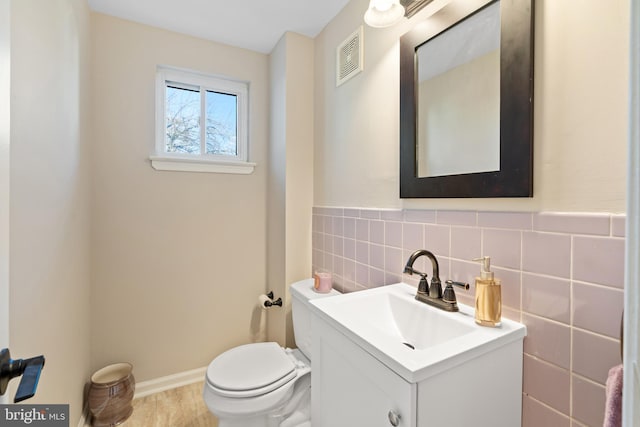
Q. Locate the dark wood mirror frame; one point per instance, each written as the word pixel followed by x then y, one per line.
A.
pixel 515 177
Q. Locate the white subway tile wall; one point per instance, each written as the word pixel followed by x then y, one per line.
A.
pixel 562 276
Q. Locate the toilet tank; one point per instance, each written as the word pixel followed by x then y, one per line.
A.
pixel 301 293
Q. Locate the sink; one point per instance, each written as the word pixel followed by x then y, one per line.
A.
pixel 403 319
pixel 413 339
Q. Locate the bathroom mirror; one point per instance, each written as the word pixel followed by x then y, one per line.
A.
pixel 466 104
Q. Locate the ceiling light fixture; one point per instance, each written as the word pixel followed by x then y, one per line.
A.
pixel 383 13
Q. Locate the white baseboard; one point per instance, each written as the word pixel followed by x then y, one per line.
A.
pixel 145 388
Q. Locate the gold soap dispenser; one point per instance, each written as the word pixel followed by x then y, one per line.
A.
pixel 488 295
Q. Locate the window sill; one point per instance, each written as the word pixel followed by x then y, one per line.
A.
pixel 181 164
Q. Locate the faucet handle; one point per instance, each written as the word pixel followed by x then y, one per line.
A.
pixel 423 286
pixel 462 285
pixel 449 294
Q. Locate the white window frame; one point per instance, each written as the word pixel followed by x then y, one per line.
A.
pixel 202 162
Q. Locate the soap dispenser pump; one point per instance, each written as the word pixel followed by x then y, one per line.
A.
pixel 488 295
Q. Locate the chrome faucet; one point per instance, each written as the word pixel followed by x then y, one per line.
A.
pixel 433 295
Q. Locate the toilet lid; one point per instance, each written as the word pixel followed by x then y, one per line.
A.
pixel 260 366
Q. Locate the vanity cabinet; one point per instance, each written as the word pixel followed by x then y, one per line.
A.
pixel 352 388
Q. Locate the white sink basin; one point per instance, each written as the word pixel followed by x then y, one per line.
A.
pixel 411 338
pixel 404 319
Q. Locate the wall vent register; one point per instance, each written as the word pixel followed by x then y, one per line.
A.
pixel 349 57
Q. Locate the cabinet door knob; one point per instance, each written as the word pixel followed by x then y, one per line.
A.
pixel 394 418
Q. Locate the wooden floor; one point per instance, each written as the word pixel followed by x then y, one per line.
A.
pixel 179 407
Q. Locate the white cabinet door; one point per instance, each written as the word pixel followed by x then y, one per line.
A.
pixel 350 388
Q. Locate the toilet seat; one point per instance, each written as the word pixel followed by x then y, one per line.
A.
pixel 254 402
pixel 251 370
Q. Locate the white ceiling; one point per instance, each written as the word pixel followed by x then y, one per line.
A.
pixel 251 24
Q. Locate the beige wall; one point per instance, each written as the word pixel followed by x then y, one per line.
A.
pixel 290 175
pixel 49 201
pixel 580 130
pixel 300 105
pixel 277 188
pixel 178 259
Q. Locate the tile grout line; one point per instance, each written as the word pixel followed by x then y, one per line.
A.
pixel 571 320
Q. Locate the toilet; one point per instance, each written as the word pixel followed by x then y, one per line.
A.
pixel 263 384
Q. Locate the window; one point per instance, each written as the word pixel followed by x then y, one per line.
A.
pixel 201 123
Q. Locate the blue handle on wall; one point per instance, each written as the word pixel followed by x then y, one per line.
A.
pixel 30 370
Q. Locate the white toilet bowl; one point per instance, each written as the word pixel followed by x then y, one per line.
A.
pixel 257 385
pixel 263 384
